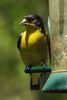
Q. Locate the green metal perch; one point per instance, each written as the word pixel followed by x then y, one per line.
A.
pixel 38 69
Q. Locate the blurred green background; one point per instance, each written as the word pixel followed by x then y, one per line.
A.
pixel 14 83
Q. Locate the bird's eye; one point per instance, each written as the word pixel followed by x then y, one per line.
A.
pixel 31 19
pixel 34 20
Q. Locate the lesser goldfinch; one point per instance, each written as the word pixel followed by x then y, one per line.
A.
pixel 33 45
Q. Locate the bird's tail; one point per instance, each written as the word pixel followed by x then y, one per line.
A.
pixel 35 81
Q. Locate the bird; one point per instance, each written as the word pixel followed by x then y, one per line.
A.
pixel 33 46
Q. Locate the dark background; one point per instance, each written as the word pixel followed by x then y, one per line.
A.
pixel 14 83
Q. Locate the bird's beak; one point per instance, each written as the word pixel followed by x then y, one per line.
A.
pixel 24 21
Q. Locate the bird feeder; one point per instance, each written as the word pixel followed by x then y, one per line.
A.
pixel 57 81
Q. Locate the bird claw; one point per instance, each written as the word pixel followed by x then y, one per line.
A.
pixel 44 64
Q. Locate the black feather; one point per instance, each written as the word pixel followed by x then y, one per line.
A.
pixel 19 42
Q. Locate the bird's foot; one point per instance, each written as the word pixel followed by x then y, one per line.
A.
pixel 44 64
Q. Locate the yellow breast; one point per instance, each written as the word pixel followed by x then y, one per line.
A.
pixel 31 39
pixel 33 47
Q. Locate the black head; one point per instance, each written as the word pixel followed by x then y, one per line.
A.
pixel 33 20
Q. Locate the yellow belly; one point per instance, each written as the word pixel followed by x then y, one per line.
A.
pixel 34 48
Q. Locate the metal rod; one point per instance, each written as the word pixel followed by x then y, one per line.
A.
pixel 37 69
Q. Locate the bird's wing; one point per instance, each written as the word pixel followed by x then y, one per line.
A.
pixel 19 41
